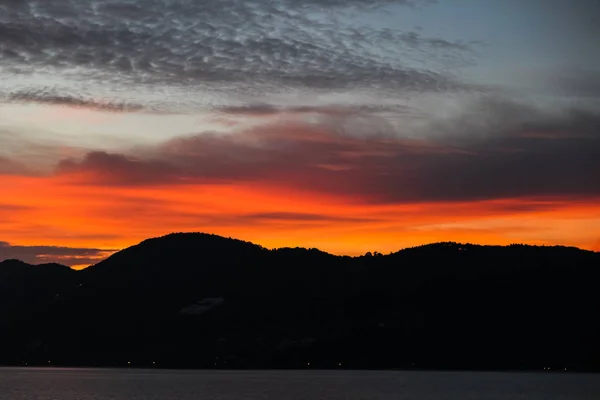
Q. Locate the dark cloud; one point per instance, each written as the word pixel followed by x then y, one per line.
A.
pixel 239 42
pixel 497 118
pixel 296 217
pixel 122 169
pixel 12 207
pixel 415 39
pixel 508 151
pixel 265 110
pixel 525 206
pixel 291 219
pixel 52 254
pixel 44 96
pixel 12 167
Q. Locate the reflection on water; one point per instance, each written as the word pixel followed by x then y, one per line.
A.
pixel 113 384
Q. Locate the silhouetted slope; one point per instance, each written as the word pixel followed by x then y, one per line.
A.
pixel 215 265
pixel 19 280
pixel 199 261
pixel 28 293
pixel 197 300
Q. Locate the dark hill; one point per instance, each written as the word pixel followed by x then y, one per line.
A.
pixel 19 280
pixel 27 295
pixel 197 300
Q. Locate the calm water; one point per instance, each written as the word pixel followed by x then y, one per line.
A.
pixel 100 384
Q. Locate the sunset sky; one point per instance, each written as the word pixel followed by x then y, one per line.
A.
pixel 346 125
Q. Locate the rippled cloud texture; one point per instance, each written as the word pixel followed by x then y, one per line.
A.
pixel 351 126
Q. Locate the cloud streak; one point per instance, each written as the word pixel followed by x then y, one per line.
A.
pixel 52 254
pixel 49 98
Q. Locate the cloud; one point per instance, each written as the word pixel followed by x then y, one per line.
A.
pixel 274 219
pixel 70 256
pixel 267 110
pixel 294 217
pixel 121 169
pixel 497 149
pixel 415 39
pixel 10 167
pixel 249 45
pixel 11 207
pixel 493 118
pixel 523 206
pixel 44 96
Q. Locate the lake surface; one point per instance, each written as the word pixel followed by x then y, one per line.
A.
pixel 113 384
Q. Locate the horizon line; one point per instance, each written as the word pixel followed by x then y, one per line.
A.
pixel 373 253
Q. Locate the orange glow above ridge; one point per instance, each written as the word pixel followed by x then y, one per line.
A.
pixel 55 211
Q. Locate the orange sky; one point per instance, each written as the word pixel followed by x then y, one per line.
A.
pixel 57 211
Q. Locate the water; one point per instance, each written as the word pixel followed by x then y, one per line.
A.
pixel 107 384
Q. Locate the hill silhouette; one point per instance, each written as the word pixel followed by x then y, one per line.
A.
pixel 205 301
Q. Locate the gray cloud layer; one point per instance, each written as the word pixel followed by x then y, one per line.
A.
pixel 235 44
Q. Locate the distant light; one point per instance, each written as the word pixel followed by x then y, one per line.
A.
pixel 129 362
pixel 308 364
pixel 339 364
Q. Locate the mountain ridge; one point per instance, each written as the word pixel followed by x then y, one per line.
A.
pixel 205 301
pixel 299 248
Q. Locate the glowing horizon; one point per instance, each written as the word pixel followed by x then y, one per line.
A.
pixel 69 215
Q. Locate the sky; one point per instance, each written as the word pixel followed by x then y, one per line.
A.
pixel 346 125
